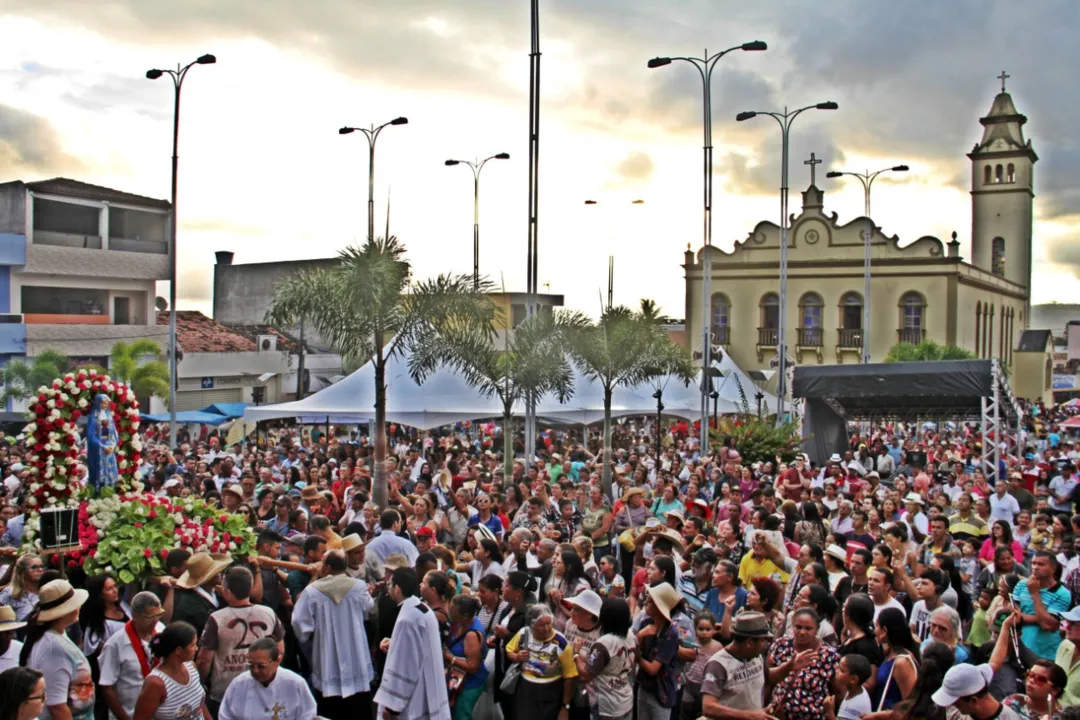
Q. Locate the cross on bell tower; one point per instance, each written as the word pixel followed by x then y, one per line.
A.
pixel 813 162
pixel 1003 77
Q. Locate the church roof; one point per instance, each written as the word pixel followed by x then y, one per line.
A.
pixel 1003 128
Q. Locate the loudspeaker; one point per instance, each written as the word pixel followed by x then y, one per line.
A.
pixel 59 528
pixel 917 459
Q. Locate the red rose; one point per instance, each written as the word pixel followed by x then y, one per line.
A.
pixel 71 564
pixel 152 515
pixel 226 537
pixel 138 526
pixel 148 553
pixel 76 414
pixel 223 518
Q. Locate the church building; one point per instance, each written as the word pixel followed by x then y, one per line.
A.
pixel 921 291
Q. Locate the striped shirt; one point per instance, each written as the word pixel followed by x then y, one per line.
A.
pixel 182 702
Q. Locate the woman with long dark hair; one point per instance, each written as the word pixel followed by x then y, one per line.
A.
pixel 1001 535
pixel 821 601
pixel 858 613
pixel 810 530
pixel 464 656
pixel 567 580
pixel 103 615
pixel 898 674
pixel 22 694
pixel 519 591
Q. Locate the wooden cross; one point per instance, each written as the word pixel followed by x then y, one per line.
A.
pixel 1003 77
pixel 813 162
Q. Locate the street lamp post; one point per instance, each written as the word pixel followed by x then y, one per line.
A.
pixel 177 76
pixel 611 260
pixel 372 134
pixel 659 397
pixel 704 66
pixel 476 167
pixel 867 180
pixel 784 119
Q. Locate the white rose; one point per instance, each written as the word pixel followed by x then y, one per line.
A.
pixel 83 404
pixel 50 403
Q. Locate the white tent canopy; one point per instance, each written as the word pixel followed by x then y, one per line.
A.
pixel 445 398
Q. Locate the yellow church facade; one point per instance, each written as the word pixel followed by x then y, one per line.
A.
pixel 921 291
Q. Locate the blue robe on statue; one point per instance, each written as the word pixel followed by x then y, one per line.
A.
pixel 101 444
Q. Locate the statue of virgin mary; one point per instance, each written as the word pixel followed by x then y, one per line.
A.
pixel 101 444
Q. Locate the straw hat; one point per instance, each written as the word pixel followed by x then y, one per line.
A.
pixel 837 552
pixel 8 620
pixel 632 492
pixel 351 542
pixel 665 598
pixel 201 567
pixel 676 513
pixel 57 599
pixel 234 489
pixel 395 561
pixel 310 493
pixel 675 538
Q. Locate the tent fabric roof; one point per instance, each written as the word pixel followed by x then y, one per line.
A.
pixel 445 398
pixel 901 390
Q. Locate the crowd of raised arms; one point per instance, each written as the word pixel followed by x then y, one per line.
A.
pixel 901 578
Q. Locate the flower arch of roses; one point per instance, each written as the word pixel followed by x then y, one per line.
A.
pixel 54 438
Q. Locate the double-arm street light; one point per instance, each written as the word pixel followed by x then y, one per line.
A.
pixel 611 260
pixel 372 134
pixel 867 180
pixel 784 119
pixel 177 76
pixel 704 65
pixel 476 166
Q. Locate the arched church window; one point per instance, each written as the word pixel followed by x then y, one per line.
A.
pixel 1010 173
pixel 997 256
pixel 987 172
pixel 721 316
pixel 770 311
pixel 811 309
pixel 851 311
pixel 912 317
pixel 997 174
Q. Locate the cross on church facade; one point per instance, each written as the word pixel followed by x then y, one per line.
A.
pixel 1003 77
pixel 813 162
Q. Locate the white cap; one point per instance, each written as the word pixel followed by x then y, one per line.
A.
pixel 962 681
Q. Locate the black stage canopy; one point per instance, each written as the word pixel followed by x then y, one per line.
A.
pixel 905 391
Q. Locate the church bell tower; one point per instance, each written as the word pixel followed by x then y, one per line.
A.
pixel 1002 193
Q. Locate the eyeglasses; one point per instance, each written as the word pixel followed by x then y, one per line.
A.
pixel 35 567
pixel 942 628
pixel 260 666
pixel 1038 679
pixel 35 698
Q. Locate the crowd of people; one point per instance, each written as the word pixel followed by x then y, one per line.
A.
pixel 898 579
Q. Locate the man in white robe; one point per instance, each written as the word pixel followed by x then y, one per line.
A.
pixel 413 684
pixel 267 691
pixel 329 624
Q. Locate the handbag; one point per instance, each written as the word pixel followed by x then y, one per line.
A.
pixel 513 672
pixel 626 537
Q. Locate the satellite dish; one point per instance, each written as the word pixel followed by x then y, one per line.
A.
pixel 161 304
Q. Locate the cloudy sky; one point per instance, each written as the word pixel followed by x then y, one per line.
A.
pixel 265 174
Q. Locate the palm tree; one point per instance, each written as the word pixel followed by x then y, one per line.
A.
pixel 928 350
pixel 369 309
pixel 625 348
pixel 128 363
pixel 530 361
pixel 21 379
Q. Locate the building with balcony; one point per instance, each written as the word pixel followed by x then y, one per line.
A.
pixel 922 290
pixel 79 264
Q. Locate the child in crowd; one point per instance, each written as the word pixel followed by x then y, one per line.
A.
pixel 980 631
pixel 704 626
pixel 852 671
pixel 1040 536
pixel 968 566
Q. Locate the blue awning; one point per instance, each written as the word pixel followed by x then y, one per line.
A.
pixel 189 416
pixel 229 410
